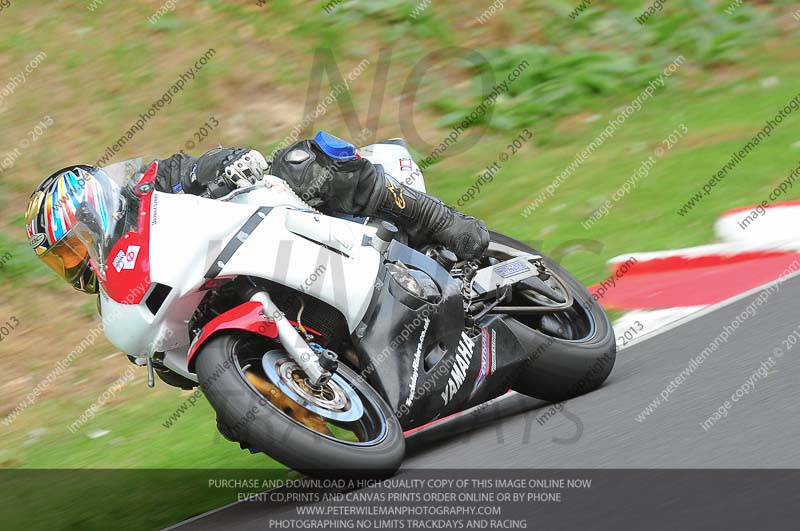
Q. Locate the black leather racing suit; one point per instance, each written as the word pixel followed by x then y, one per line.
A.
pixel 352 186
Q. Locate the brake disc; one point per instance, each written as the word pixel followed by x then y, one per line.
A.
pixel 336 400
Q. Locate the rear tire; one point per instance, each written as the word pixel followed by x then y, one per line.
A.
pixel 261 426
pixel 561 369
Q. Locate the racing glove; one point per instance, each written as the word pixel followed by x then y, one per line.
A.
pixel 222 170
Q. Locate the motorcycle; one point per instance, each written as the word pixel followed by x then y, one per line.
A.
pixel 319 340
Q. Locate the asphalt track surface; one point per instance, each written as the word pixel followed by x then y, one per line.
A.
pixel 600 430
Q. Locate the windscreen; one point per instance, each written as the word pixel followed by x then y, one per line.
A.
pixel 110 208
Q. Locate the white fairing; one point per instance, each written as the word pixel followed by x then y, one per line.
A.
pixel 188 233
pixel 327 257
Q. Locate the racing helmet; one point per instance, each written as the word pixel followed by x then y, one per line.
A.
pixel 51 217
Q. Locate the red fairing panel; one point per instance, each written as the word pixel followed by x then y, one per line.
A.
pixel 127 277
pixel 248 317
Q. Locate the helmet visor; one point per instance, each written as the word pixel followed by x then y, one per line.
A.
pixel 68 258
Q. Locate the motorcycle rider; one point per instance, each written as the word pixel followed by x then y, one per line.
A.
pixel 326 169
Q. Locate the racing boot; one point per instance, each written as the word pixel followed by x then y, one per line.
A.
pixel 326 172
pixel 427 218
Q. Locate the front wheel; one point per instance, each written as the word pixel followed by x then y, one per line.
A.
pixel 572 351
pixel 263 401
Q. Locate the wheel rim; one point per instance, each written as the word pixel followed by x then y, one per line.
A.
pixel 334 400
pixel 348 413
pixel 330 396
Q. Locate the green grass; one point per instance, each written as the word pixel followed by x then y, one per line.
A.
pixel 134 422
pixel 149 476
pixel 98 500
pixel 720 121
pixel 95 95
pixel 636 223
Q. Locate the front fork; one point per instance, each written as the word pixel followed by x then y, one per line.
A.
pixel 297 347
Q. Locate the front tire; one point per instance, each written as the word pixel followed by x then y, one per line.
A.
pixel 577 363
pixel 279 427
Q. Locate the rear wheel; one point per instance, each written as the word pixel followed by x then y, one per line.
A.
pixel 264 401
pixel 573 350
